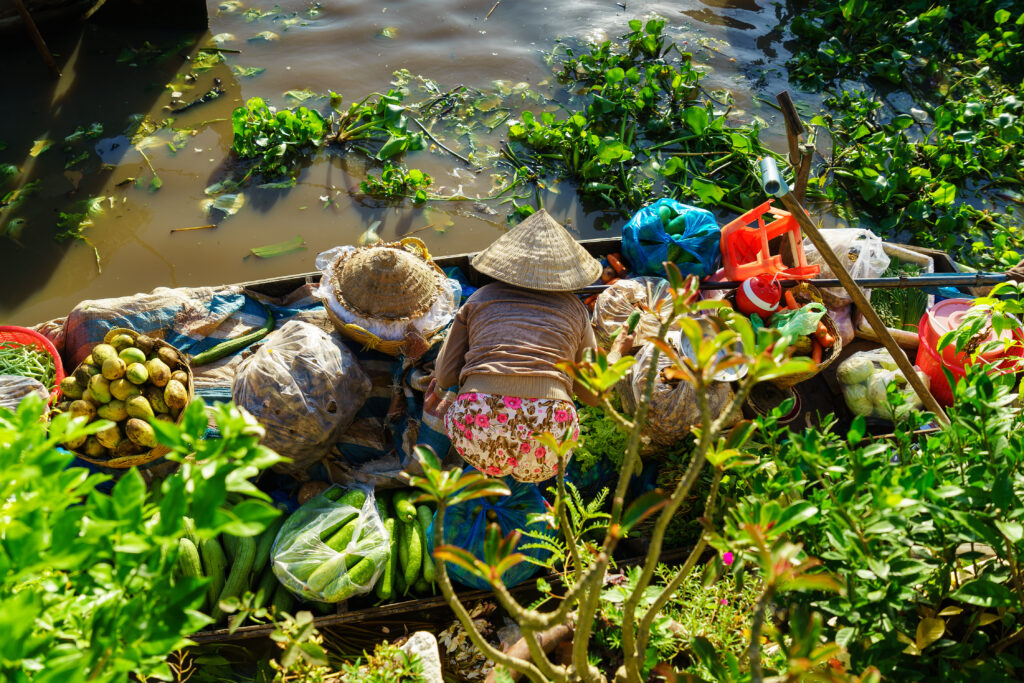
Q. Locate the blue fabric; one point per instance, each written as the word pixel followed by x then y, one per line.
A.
pixel 465 526
pixel 645 242
pixel 455 273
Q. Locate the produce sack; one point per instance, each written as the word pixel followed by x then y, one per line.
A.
pixel 14 388
pixel 861 251
pixel 674 410
pixel 304 386
pixel 465 526
pixel 333 547
pixel 647 244
pixel 864 379
pixel 621 298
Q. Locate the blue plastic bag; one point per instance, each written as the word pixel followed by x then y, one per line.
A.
pixel 645 242
pixel 465 526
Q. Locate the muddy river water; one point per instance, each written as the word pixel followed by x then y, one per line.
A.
pixel 112 74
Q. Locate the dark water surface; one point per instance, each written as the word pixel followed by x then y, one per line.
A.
pixel 340 48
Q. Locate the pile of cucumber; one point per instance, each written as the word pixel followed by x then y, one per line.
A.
pixel 234 565
pixel 410 565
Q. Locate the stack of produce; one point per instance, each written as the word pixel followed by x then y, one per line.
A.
pixel 234 565
pixel 410 565
pixel 333 547
pixel 129 379
pixel 864 379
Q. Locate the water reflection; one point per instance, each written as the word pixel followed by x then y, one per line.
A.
pixel 342 47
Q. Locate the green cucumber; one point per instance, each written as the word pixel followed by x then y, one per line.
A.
pixel 245 551
pixel 265 588
pixel 421 586
pixel 632 321
pixel 226 348
pixel 339 541
pixel 357 578
pixel 266 544
pixel 424 516
pixel 404 508
pixel 188 559
pixel 386 581
pixel 215 564
pixel 410 552
pixel 283 600
pixel 326 573
pixel 190 531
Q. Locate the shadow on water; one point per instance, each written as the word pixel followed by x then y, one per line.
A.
pixel 100 82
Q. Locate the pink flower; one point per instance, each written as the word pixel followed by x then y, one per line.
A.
pixel 461 450
pixel 575 434
pixel 561 416
pixel 511 462
pixel 540 452
pixel 493 471
pixel 483 421
pixel 512 402
pixel 524 447
pixel 554 468
pixel 728 558
pixel 468 434
pixel 469 419
pixel 463 397
pixel 502 418
pixel 724 601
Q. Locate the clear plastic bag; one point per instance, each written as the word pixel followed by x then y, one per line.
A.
pixel 864 379
pixel 304 386
pixel 615 304
pixel 304 563
pixel 674 410
pixel 14 388
pixel 861 251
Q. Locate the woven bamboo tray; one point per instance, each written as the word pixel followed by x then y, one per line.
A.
pixel 145 457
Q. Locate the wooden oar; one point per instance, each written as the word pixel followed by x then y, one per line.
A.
pixel 902 282
pixel 774 185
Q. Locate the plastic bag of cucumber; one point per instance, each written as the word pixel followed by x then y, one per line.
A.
pixel 347 542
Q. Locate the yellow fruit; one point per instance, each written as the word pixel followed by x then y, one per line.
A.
pixel 113 368
pixel 132 355
pixel 140 433
pixel 109 437
pixel 122 389
pixel 103 352
pixel 136 373
pixel 138 407
pixel 175 395
pixel 99 387
pixel 82 408
pixel 114 411
pixel 159 373
pixel 122 341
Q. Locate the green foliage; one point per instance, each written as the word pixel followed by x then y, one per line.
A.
pixel 587 519
pixel 387 664
pixel 635 129
pixel 277 143
pixel 397 181
pixel 923 174
pixel 601 439
pixel 923 535
pixel 380 119
pixel 88 589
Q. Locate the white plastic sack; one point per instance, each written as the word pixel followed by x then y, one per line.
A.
pixel 304 563
pixel 861 251
pixel 864 379
pixel 674 410
pixel 304 386
pixel 14 388
pixel 439 315
pixel 615 304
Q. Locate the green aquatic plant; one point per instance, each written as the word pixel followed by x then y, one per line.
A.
pixel 396 182
pixel 277 144
pixel 636 129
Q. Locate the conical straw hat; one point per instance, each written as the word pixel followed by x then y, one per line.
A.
pixel 385 282
pixel 539 254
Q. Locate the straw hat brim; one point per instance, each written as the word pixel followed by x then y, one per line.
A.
pixel 539 254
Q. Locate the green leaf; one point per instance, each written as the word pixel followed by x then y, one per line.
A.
pixel 1013 531
pixel 709 192
pixel 984 593
pixel 642 508
pixel 944 194
pixel 794 514
pixel 280 249
pixel 696 118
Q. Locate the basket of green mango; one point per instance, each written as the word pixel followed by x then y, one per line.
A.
pixel 129 379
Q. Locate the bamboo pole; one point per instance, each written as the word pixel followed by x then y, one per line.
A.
pixel 37 38
pixel 773 185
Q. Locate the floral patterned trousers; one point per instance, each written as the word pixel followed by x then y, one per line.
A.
pixel 495 434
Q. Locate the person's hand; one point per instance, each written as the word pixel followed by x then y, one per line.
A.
pixel 623 344
pixel 430 397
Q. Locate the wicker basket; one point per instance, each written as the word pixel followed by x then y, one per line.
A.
pixel 160 451
pixel 828 357
pixel 765 397
pixel 392 347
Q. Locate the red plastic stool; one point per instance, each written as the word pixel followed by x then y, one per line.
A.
pixel 745 251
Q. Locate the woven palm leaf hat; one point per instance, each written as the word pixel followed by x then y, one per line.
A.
pixel 539 254
pixel 386 282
